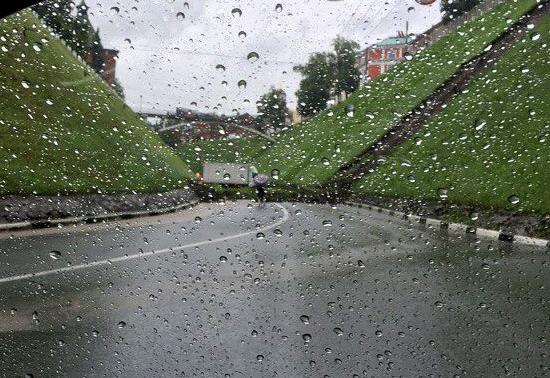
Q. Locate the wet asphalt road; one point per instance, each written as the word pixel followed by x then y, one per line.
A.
pixel 290 290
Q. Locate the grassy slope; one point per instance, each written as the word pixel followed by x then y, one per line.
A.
pixel 241 150
pixel 86 140
pixel 509 155
pixel 299 153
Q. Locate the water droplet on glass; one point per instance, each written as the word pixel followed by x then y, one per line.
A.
pixel 223 258
pixel 55 255
pixel 236 12
pixel 535 37
pixel 260 235
pixel 242 34
pixel 408 56
pixel 410 9
pixel 121 324
pixel 338 331
pixel 220 67
pixel 4 48
pixel 95 333
pixel 252 56
pixel 115 10
pixel 513 199
pixel 37 46
pixel 306 337
pixel 242 84
pixel 278 8
pixel 49 101
pixel 327 223
pixel 275 174
pixel 443 193
pixel 180 16
pixel 259 357
pixel 304 319
pixel 325 161
pixel 198 219
pixel 25 84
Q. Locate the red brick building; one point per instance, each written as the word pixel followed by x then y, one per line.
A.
pixel 108 57
pixel 381 57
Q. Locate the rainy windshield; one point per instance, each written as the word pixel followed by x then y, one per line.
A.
pixel 328 188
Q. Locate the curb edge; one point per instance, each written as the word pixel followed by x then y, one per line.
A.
pixel 457 228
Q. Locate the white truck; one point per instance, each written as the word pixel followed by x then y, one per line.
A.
pixel 227 173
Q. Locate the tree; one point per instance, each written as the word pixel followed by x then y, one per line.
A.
pixel 316 85
pixel 346 75
pixel 454 8
pixel 57 15
pixel 85 36
pixel 272 110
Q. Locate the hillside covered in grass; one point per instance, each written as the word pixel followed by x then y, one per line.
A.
pixel 490 146
pixel 63 130
pixel 310 153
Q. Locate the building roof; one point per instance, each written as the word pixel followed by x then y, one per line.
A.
pixel 391 41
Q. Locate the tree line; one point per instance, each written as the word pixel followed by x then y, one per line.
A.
pixel 72 24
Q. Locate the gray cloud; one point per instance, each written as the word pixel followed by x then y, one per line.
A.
pixel 166 61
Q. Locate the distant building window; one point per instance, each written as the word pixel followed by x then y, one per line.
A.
pixel 392 55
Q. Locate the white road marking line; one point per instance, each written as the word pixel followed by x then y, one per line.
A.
pixel 146 254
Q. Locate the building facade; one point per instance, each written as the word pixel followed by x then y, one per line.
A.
pixel 381 57
pixel 108 58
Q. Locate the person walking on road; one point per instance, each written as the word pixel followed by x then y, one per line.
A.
pixel 259 182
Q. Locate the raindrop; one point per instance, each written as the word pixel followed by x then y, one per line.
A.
pixel 349 110
pixel 306 337
pixel 37 46
pixel 26 84
pixel 275 174
pixel 278 232
pixel 226 177
pixel 260 235
pixel 411 178
pixel 338 331
pixel 325 161
pixel 4 48
pixel 439 304
pixel 180 16
pixel 278 8
pixel 236 12
pixel 223 258
pixel 443 193
pixel 408 56
pixel 410 9
pixel 252 57
pixel 198 219
pixel 360 264
pixel 186 5
pixel 259 357
pixel 304 319
pixel 513 199
pixel 121 324
pixel 474 215
pixel 220 67
pixel 128 41
pixel 95 333
pixel 56 255
pixel 242 34
pixel 535 37
pixel 327 223
pixel 115 10
pixel 242 84
pixel 49 101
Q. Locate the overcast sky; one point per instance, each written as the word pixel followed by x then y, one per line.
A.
pixel 168 60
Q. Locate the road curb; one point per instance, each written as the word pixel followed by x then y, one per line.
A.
pixel 457 228
pixel 44 223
